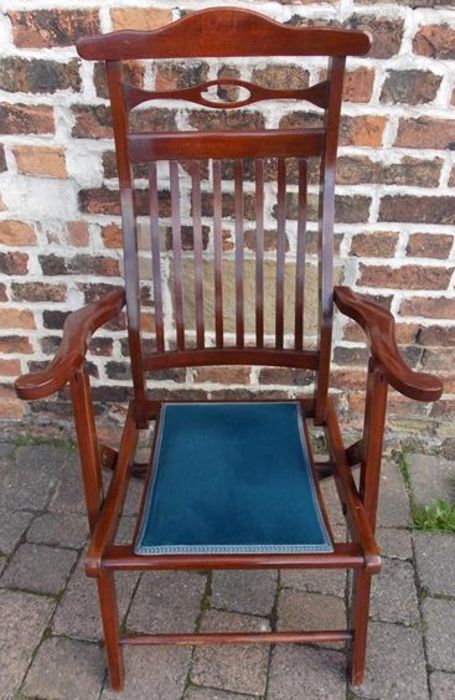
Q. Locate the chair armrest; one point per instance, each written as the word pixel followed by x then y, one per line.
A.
pixel 77 331
pixel 379 326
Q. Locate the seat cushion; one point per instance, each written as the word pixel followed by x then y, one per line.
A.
pixel 231 478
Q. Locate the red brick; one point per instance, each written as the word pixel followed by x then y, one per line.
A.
pixel 141 18
pixel 38 291
pixel 281 77
pixel 249 239
pixel 437 336
pixel 428 307
pixel 364 130
pixel 429 245
pixel 437 361
pixel 377 244
pixel 79 264
pixel 78 233
pixel 175 76
pixel 3 294
pixel 425 132
pixel 10 368
pixel 41 161
pixel 436 41
pixel 102 200
pixel 94 122
pixel 16 233
pixel 386 33
pixel 288 376
pixel 38 75
pixel 358 170
pixel 421 210
pixel 26 119
pixel 405 277
pixel 112 236
pixel 410 86
pixel 133 73
pixel 238 119
pixel 16 318
pixel 10 406
pixel 48 28
pixel 14 263
pixel 223 375
pixel 15 344
pixel 358 85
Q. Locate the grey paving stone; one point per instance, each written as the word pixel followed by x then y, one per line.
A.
pixel 194 692
pixel 394 543
pixel 439 617
pixel 6 451
pixel 431 477
pixel 238 668
pixel 393 510
pixel 167 601
pixel 59 529
pixel 68 496
pixel 394 597
pixel 78 615
pixel 125 530
pixel 435 562
pixel 28 481
pixel 23 618
pixel 39 568
pixel 244 591
pixel 12 526
pixel 332 502
pixel 154 673
pixel 442 685
pixel 310 611
pixel 299 672
pixel 395 667
pixel 330 582
pixel 66 668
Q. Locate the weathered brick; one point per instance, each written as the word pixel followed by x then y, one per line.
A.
pixel 425 132
pixel 14 263
pixel 3 294
pixel 38 75
pixel 350 209
pixel 228 93
pixel 288 376
pixel 358 85
pixel 386 33
pixel 270 239
pixel 276 76
pixel 430 307
pixel 238 119
pixel 16 318
pixel 187 234
pixel 15 343
pixel 175 76
pixel 11 407
pixel 10 368
pixel 436 41
pixel 38 291
pixel 3 166
pixel 410 86
pixel 437 336
pixel 26 119
pixel 94 122
pixel 405 276
pixel 49 28
pixel 140 18
pixel 133 73
pixel 78 233
pixel 79 264
pixel 421 210
pixel 301 120
pixel 41 161
pixel 223 375
pixel 102 200
pixel 101 346
pixel 429 245
pixel 16 233
pixel 358 170
pixel 364 130
pixel 112 236
pixel 153 119
pixel 377 244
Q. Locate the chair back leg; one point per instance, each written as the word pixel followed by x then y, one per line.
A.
pixel 111 623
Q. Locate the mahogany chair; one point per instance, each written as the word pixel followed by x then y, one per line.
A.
pixel 230 485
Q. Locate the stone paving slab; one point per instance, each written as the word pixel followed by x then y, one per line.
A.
pixel 39 568
pixel 13 526
pixel 328 581
pixel 394 508
pixel 23 619
pixel 244 591
pixel 435 562
pixel 298 672
pixel 439 617
pixel 66 668
pixel 394 543
pixel 394 597
pixel 431 477
pixel 312 611
pixel 442 685
pixel 59 530
pixel 194 692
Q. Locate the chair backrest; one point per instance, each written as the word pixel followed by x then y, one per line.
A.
pixel 217 180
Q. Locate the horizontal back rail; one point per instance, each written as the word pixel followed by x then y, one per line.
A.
pixel 183 145
pixel 306 359
pixel 221 32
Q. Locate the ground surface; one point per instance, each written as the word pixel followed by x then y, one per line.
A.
pixel 50 632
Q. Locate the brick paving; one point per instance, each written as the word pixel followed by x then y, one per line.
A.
pixel 50 631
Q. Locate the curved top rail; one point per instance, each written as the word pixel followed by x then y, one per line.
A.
pixel 222 32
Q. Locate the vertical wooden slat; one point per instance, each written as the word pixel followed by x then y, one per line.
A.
pixel 195 170
pixel 217 249
pixel 156 261
pixel 177 254
pixel 260 253
pixel 300 254
pixel 280 252
pixel 239 302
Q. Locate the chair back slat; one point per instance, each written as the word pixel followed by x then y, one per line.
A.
pixel 218 252
pixel 156 257
pixel 300 254
pixel 239 300
pixel 280 252
pixel 259 192
pixel 177 255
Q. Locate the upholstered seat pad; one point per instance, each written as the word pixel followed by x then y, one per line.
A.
pixel 231 477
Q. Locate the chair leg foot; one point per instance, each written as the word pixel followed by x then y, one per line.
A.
pixel 360 606
pixel 110 621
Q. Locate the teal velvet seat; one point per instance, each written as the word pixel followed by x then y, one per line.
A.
pixel 231 478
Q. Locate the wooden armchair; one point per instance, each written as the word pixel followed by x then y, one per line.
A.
pixel 230 485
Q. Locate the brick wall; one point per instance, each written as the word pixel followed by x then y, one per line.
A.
pixel 59 235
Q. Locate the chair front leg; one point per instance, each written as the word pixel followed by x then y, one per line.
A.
pixel 370 466
pixel 111 624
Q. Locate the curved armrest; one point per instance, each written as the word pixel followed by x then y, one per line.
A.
pixel 379 326
pixel 77 331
